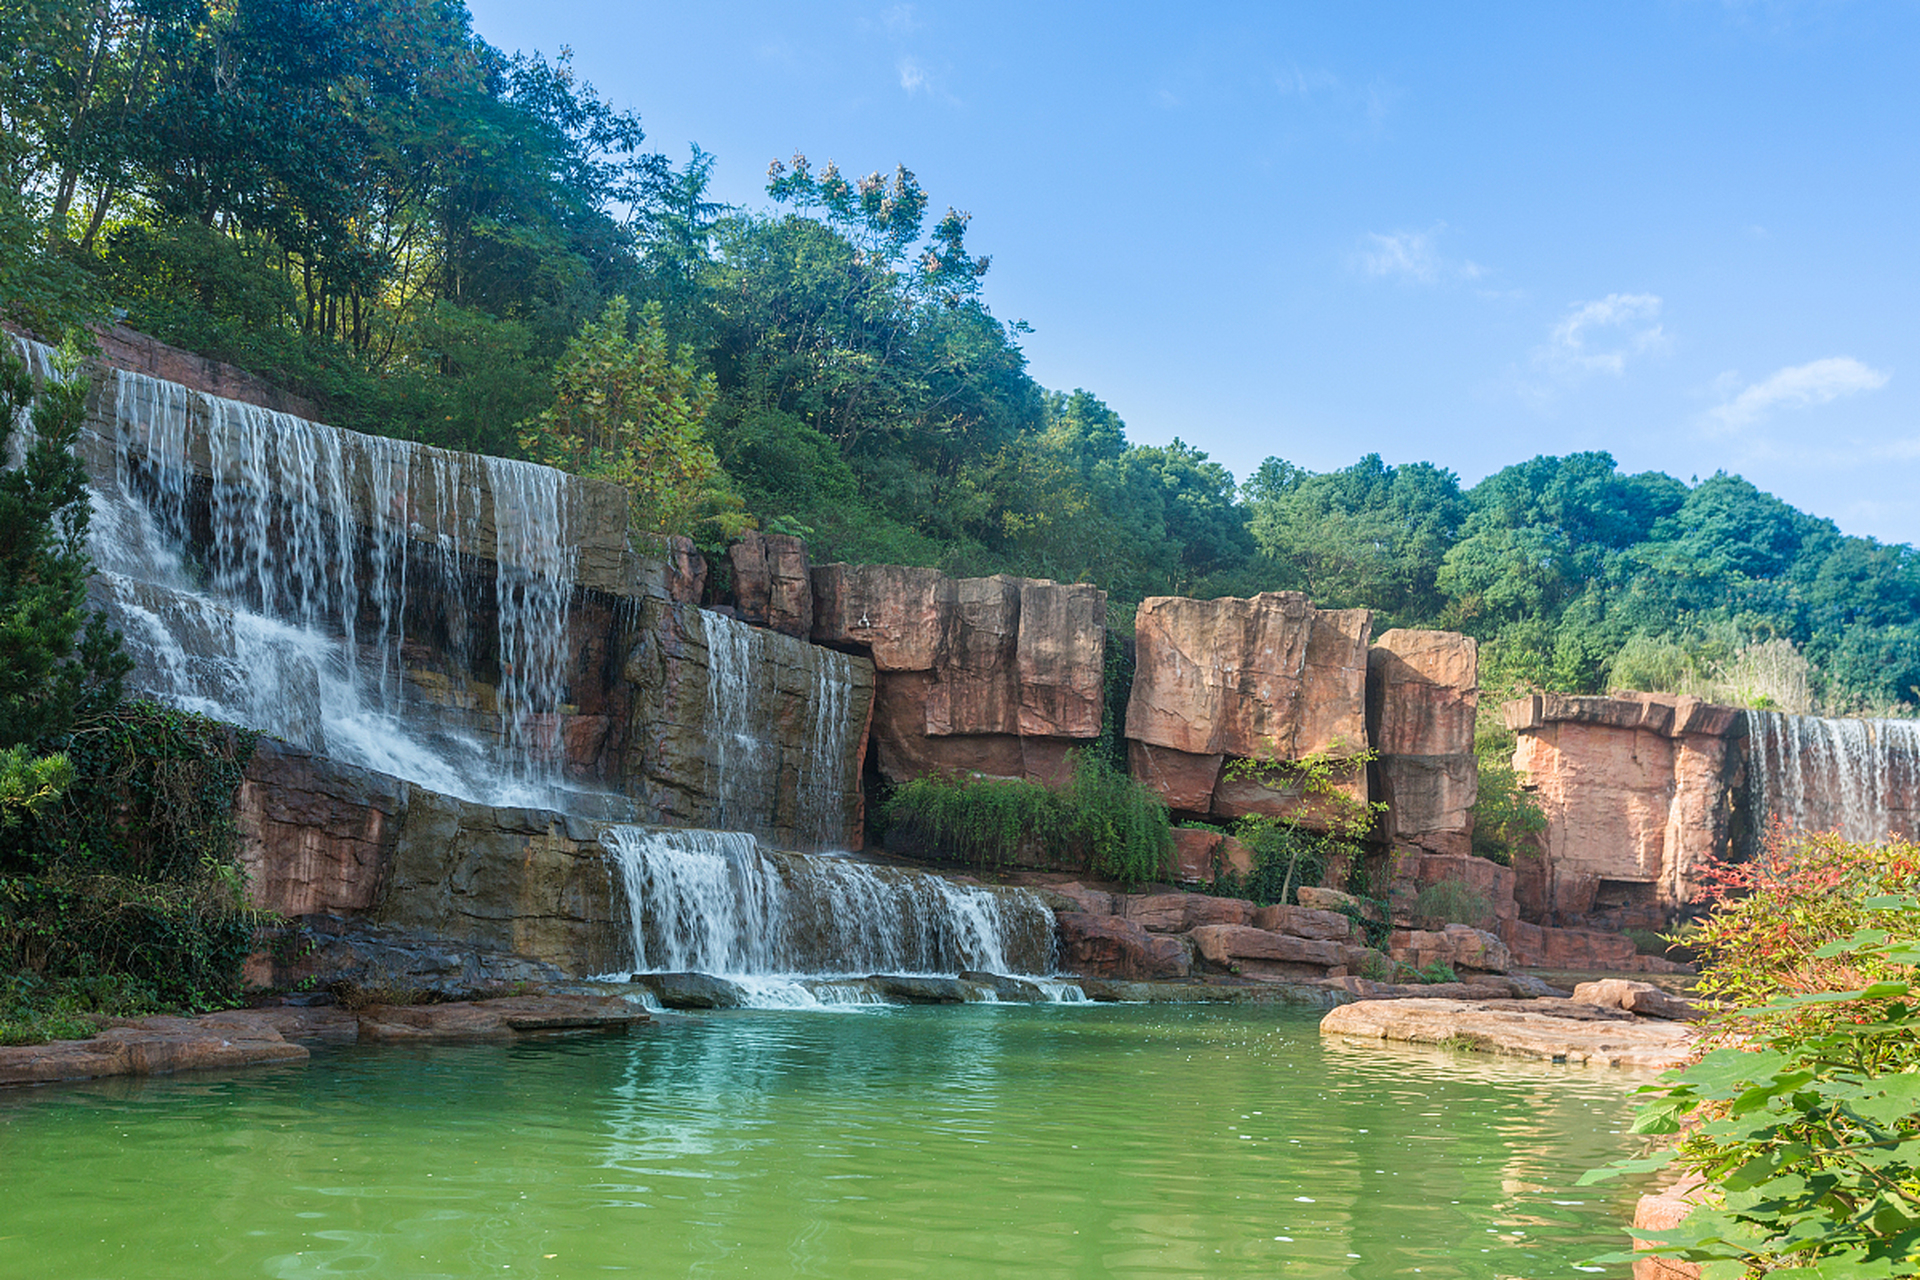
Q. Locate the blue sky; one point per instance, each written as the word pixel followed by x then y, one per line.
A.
pixel 1682 232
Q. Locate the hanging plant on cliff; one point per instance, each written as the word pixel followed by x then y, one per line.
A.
pixel 631 408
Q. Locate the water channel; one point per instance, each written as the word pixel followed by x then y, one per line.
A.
pixel 1010 1141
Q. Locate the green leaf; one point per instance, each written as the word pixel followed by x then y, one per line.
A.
pixel 1638 1164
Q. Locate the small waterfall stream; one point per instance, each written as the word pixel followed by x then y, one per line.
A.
pixel 1860 778
pixel 715 902
pixel 747 762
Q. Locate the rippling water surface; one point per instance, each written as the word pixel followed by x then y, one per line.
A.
pixel 976 1141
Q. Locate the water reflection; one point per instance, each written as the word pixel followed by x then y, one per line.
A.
pixel 1002 1141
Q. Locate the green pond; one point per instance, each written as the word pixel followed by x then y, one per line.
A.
pixel 1005 1141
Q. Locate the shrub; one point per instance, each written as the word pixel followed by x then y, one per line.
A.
pixel 1453 901
pixel 1805 1121
pixel 1102 820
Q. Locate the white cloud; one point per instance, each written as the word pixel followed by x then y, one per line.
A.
pixel 1411 255
pixel 1601 336
pixel 1797 386
pixel 899 20
pixel 913 76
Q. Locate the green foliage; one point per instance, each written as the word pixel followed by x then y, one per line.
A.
pixel 1437 971
pixel 1101 820
pixel 1285 856
pixel 1323 825
pixel 34 1008
pixel 130 873
pixel 59 662
pixel 1446 902
pixel 29 783
pixel 631 409
pixel 1805 1122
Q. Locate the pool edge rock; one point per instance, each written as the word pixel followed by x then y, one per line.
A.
pixel 234 1038
pixel 1543 1029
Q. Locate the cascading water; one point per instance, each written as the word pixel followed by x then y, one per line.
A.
pixel 714 902
pixel 263 569
pixel 746 761
pixel 1860 778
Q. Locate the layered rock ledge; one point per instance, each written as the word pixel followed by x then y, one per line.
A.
pixel 1546 1030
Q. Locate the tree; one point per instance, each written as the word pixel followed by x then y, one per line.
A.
pixel 59 661
pixel 631 409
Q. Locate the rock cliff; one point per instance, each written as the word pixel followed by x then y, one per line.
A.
pixel 1269 679
pixel 998 676
pixel 1636 794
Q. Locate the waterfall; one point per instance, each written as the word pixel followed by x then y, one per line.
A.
pixel 715 902
pixel 264 570
pixel 39 360
pixel 746 765
pixel 533 581
pixel 1860 778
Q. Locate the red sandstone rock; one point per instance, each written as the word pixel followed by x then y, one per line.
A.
pixel 1178 912
pixel 1489 880
pixel 1529 1032
pixel 151 1046
pixel 1185 782
pixel 1304 922
pixel 315 836
pixel 1264 678
pixel 1109 947
pixel 1662 1211
pixel 1458 946
pixel 976 686
pixel 1193 853
pixel 1278 794
pixel 1636 997
pixel 1633 792
pixel 1536 947
pixel 1227 945
pixel 503 1019
pixel 686 571
pixel 1422 692
pixel 1096 902
pixel 1060 659
pixel 899 614
pixel 772 583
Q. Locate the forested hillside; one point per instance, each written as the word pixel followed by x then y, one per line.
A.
pixel 432 238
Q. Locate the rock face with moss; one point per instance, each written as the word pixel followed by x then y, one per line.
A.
pixel 1269 679
pixel 999 676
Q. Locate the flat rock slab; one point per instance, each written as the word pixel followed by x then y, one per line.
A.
pixel 152 1047
pixel 502 1019
pixel 1502 1028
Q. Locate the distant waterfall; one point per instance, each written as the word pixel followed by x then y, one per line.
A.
pixel 1860 778
pixel 265 568
pixel 714 902
pixel 746 763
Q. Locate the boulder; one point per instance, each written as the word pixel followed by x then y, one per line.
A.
pixel 1060 660
pixel 916 989
pixel 772 583
pixel 725 728
pixel 1097 902
pixel 691 990
pixel 1304 922
pixel 1525 1031
pixel 1109 947
pixel 1229 945
pixel 152 1046
pixel 1184 782
pixel 1423 691
pixel 1637 997
pixel 1458 946
pixel 1194 849
pixel 1178 912
pixel 1318 899
pixel 686 570
pixel 507 1018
